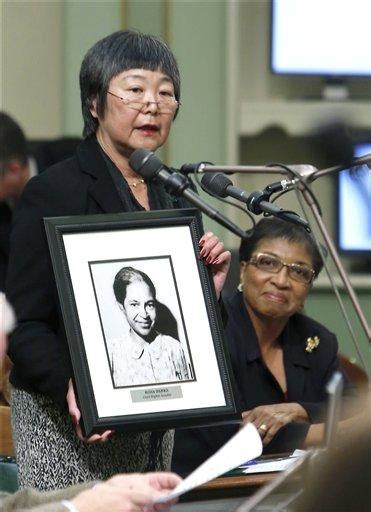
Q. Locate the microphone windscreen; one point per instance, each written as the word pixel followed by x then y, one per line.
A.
pixel 216 183
pixel 144 162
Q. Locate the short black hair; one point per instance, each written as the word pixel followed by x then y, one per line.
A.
pixel 13 144
pixel 118 52
pixel 128 275
pixel 271 228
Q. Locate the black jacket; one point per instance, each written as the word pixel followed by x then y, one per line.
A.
pixel 81 185
pixel 5 226
pixel 307 375
pixel 44 154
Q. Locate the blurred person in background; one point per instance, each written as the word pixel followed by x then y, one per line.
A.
pixel 20 160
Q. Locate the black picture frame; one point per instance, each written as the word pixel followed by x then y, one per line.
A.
pixel 87 252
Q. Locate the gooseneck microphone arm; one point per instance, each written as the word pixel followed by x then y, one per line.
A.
pixel 150 167
pixel 257 205
pixel 308 172
pixel 256 202
pixel 362 160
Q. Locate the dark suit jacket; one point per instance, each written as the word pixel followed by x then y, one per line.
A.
pixel 307 375
pixel 48 152
pixel 45 153
pixel 5 226
pixel 81 185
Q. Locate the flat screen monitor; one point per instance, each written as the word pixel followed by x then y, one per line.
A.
pixel 329 38
pixel 354 207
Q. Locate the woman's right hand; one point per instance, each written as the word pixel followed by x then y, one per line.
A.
pixel 214 254
pixel 268 419
pixel 75 414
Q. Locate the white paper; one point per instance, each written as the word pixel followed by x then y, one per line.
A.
pixel 269 466
pixel 243 446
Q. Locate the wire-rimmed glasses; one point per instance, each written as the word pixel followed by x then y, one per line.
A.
pixel 273 265
pixel 167 105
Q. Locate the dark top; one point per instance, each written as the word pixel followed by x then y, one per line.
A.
pixel 307 375
pixel 80 185
pixel 45 153
pixel 48 152
pixel 5 225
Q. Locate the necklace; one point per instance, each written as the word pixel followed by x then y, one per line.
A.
pixel 135 181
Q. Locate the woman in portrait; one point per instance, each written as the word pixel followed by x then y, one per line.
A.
pixel 144 355
pixel 282 360
pixel 130 95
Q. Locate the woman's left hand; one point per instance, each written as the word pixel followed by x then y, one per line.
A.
pixel 75 414
pixel 213 252
pixel 268 419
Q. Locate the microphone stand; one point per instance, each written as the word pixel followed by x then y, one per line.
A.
pixel 307 174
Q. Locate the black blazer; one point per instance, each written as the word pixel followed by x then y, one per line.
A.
pixel 45 153
pixel 81 185
pixel 5 226
pixel 307 374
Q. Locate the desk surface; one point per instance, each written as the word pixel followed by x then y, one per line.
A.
pixel 260 490
pixel 229 486
pixel 228 482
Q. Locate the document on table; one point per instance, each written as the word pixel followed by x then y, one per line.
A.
pixel 270 465
pixel 243 446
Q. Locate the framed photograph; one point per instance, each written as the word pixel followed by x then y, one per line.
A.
pixel 143 326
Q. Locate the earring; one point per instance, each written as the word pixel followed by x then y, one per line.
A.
pixel 240 287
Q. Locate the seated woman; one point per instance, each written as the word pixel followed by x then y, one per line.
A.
pixel 144 354
pixel 281 359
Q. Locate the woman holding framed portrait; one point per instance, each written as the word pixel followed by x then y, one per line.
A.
pixel 130 95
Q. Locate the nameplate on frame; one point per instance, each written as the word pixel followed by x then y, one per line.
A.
pixel 151 395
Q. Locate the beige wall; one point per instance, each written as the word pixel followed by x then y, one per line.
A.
pixel 32 50
pixel 85 22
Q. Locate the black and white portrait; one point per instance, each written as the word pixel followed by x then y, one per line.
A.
pixel 142 321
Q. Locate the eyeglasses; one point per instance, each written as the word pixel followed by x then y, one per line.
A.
pixel 167 105
pixel 273 265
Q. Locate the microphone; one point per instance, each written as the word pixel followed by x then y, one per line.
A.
pixel 192 168
pixel 199 168
pixel 222 186
pixel 150 167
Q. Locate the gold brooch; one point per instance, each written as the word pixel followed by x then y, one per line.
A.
pixel 312 343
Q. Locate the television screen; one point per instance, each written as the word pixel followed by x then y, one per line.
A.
pixel 354 206
pixel 321 37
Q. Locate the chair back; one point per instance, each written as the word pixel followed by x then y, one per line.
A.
pixel 6 438
pixel 355 373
